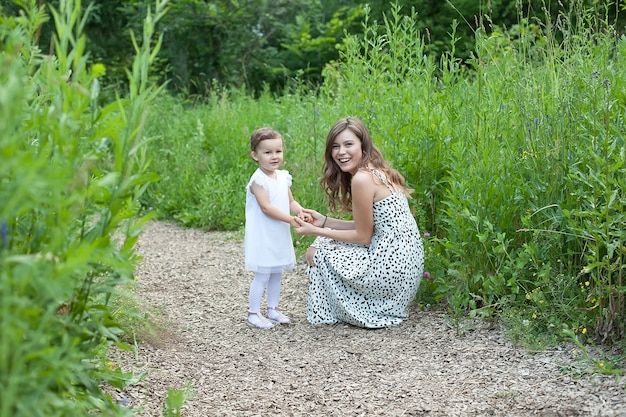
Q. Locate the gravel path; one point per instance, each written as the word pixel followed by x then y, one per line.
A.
pixel 196 281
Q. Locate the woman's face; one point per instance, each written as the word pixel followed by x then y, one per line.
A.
pixel 346 151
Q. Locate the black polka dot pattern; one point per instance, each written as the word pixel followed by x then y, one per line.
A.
pixel 369 286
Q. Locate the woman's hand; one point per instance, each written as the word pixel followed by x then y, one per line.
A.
pixel 293 223
pixel 317 219
pixel 303 228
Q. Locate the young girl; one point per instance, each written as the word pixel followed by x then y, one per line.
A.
pixel 268 246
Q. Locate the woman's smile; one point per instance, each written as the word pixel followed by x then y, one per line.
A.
pixel 347 151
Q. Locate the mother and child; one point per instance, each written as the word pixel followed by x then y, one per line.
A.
pixel 364 271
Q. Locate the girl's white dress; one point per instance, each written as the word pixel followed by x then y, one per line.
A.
pixel 268 244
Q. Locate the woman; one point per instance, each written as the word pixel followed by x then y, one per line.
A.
pixel 365 271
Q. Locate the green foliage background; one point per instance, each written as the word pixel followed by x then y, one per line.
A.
pixel 515 154
pixel 515 148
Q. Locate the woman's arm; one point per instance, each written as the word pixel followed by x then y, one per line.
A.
pixel 361 229
pixel 321 220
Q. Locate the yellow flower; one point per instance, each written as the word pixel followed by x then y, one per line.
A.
pixel 587 283
pixel 584 330
pixel 98 70
pixel 534 316
pixel 601 364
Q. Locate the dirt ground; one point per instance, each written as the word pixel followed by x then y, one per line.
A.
pixel 196 282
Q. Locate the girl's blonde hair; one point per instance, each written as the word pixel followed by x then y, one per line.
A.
pixel 261 134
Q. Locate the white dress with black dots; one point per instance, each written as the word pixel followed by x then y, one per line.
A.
pixel 369 286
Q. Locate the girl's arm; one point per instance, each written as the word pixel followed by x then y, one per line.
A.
pixel 294 206
pixel 267 208
pixel 361 229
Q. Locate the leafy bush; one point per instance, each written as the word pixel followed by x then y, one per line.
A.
pixel 72 172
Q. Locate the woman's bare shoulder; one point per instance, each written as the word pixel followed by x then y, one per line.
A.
pixel 363 175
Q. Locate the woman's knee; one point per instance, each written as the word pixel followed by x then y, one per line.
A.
pixel 310 253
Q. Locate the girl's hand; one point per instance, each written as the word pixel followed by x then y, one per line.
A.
pixel 304 215
pixel 316 218
pixel 293 223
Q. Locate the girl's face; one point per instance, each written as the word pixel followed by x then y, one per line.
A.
pixel 347 152
pixel 269 155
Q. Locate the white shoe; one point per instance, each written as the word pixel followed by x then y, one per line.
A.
pixel 257 321
pixel 274 314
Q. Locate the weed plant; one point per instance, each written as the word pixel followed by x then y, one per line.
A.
pixel 72 172
pixel 516 156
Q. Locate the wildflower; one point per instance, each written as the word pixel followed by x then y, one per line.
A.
pixel 534 316
pixel 426 234
pixel 98 70
pixel 587 283
pixel 584 330
pixel 4 234
pixel 427 275
pixel 601 364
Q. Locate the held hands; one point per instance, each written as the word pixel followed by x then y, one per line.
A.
pixel 303 215
pixel 317 219
pixel 309 227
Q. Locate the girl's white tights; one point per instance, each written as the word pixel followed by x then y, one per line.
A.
pixel 258 286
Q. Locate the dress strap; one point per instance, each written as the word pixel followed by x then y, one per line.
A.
pixel 382 177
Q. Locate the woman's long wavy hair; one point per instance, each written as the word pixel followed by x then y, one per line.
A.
pixel 338 184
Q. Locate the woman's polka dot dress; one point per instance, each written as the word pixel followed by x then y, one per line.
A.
pixel 369 286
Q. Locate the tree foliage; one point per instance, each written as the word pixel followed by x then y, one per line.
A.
pixel 259 44
pixel 265 44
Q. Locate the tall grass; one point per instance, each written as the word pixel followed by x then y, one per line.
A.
pixel 71 173
pixel 516 156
